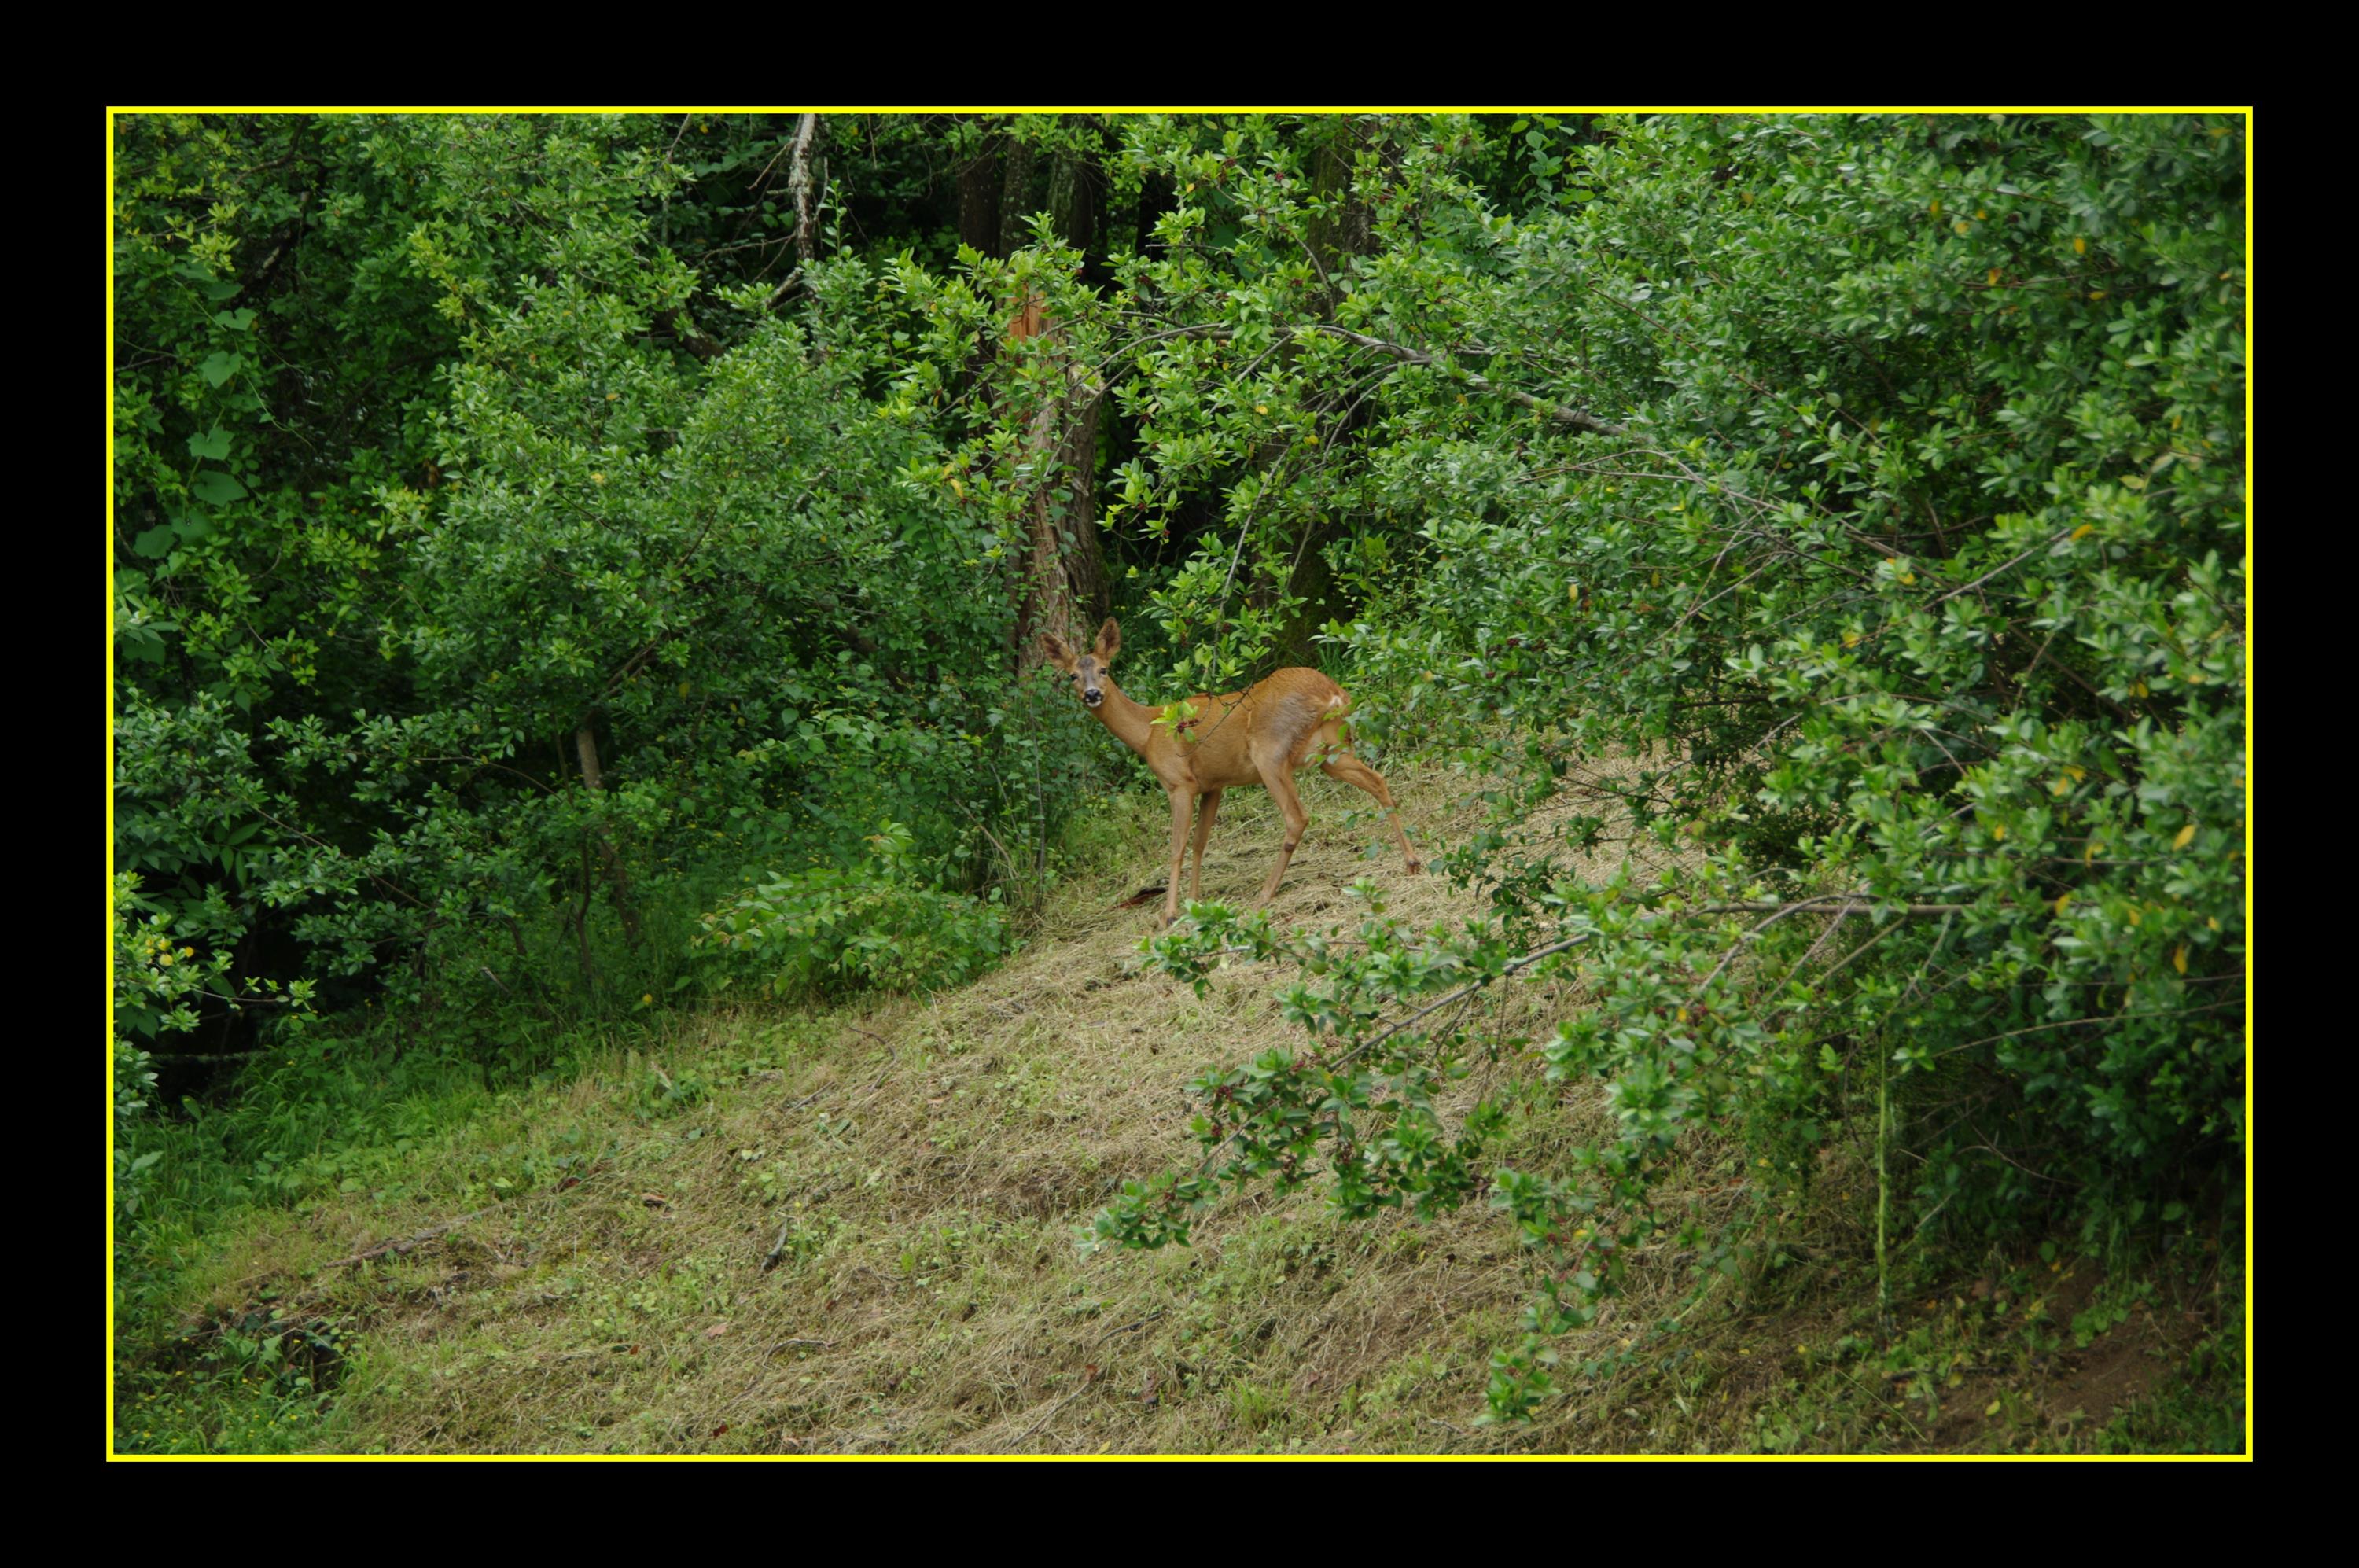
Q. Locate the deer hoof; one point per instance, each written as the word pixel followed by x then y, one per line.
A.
pixel 1415 867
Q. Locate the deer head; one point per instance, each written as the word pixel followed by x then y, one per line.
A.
pixel 1087 670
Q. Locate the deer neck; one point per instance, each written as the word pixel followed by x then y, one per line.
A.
pixel 1132 723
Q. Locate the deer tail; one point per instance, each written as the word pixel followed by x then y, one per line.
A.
pixel 1337 706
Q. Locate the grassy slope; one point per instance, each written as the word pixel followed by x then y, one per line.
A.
pixel 927 1165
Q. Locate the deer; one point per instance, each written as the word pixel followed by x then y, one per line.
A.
pixel 1202 747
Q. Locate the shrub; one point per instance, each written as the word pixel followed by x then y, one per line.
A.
pixel 830 930
pixel 1880 482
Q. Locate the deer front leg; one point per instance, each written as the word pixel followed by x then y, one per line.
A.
pixel 1207 807
pixel 1183 803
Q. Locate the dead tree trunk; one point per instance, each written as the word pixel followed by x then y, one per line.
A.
pixel 799 186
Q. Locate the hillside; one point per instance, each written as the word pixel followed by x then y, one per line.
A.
pixel 581 1268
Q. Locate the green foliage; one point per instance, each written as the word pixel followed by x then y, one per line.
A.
pixel 1879 480
pixel 157 982
pixel 521 541
pixel 436 494
pixel 838 929
pixel 257 1383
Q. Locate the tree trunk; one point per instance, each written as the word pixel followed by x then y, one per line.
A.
pixel 1073 201
pixel 1016 198
pixel 1062 567
pixel 1083 199
pixel 1066 591
pixel 798 187
pixel 979 184
pixel 618 879
pixel 1335 240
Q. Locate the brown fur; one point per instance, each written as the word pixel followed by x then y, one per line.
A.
pixel 1258 736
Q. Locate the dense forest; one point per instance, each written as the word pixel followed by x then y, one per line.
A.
pixel 581 585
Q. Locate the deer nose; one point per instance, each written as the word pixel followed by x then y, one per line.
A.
pixel 1092 696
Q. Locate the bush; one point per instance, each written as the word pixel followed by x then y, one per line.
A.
pixel 834 930
pixel 560 577
pixel 1880 482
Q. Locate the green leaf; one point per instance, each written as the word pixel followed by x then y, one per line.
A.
pixel 218 368
pixel 214 444
pixel 156 542
pixel 217 488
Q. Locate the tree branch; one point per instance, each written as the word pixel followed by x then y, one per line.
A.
pixel 1561 413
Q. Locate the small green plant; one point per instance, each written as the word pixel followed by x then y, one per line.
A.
pixel 663 1094
pixel 829 930
pixel 159 981
pixel 256 1381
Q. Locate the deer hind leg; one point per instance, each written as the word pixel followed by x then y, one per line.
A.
pixel 1182 807
pixel 1277 775
pixel 1343 765
pixel 1208 807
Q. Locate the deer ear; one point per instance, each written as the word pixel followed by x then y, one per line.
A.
pixel 1109 641
pixel 1058 654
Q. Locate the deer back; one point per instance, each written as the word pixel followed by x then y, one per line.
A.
pixel 1224 738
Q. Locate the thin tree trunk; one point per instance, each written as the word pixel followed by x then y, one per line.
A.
pixel 585 750
pixel 618 879
pixel 580 921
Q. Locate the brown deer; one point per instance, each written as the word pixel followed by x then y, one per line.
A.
pixel 1209 745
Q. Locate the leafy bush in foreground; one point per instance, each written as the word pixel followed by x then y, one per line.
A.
pixel 1881 481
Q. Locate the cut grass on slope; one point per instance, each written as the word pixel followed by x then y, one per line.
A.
pixel 916 1175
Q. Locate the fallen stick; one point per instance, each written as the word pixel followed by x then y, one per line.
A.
pixel 401 1243
pixel 1128 1326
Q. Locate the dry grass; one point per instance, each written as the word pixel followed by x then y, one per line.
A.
pixel 923 1170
